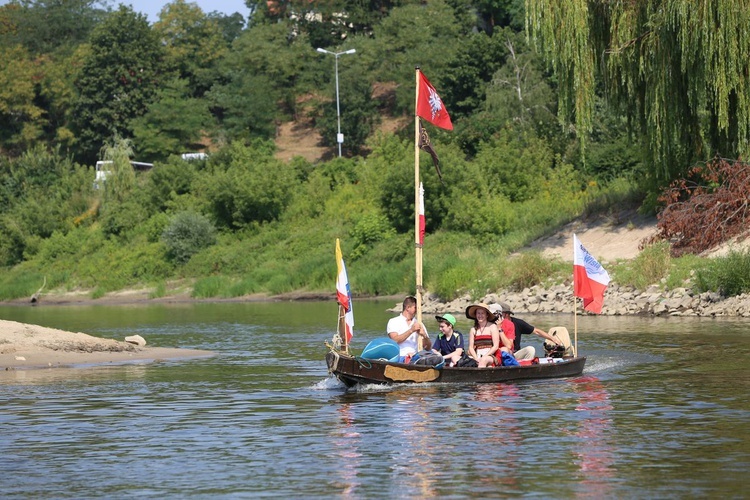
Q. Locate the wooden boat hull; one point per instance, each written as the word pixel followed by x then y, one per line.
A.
pixel 354 370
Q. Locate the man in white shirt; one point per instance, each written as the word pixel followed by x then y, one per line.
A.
pixel 406 330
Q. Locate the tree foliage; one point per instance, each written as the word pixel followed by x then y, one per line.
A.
pixel 118 81
pixel 678 68
pixel 48 26
pixel 252 187
pixel 193 42
pixel 174 123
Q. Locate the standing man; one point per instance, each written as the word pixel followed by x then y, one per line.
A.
pixel 406 330
pixel 521 328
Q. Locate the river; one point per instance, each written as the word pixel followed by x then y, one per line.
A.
pixel 661 411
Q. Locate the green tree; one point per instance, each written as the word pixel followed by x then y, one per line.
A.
pixel 120 174
pixel 263 74
pixel 50 26
pixel 41 192
pixel 231 25
pixel 21 119
pixel 174 123
pixel 359 113
pixel 470 72
pixel 168 181
pixel 412 35
pixel 515 165
pixel 118 81
pixel 677 68
pixel 57 96
pixel 247 185
pixel 194 44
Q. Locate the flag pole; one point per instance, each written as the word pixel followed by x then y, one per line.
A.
pixel 341 328
pixel 575 325
pixel 417 245
pixel 575 307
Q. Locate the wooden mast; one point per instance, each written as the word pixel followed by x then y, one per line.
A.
pixel 417 244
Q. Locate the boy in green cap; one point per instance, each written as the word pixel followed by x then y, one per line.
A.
pixel 449 343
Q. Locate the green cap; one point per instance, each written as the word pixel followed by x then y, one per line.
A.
pixel 447 317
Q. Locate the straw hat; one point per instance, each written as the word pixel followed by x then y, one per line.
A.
pixel 471 311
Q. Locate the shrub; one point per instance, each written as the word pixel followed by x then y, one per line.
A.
pixel 370 229
pixel 728 275
pixel 529 269
pixel 712 196
pixel 649 267
pixel 213 286
pixel 451 283
pixel 187 234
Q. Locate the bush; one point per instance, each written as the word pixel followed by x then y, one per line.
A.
pixel 370 229
pixel 187 234
pixel 728 275
pixel 532 268
pixel 213 286
pixel 648 268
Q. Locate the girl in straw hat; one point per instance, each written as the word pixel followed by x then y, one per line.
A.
pixel 486 341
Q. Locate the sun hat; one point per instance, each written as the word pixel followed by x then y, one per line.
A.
pixel 447 317
pixel 505 308
pixel 471 311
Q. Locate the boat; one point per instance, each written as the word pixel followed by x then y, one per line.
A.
pixel 378 364
pixel 379 361
pixel 353 370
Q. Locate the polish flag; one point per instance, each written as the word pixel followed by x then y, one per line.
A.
pixel 344 294
pixel 589 278
pixel 421 214
pixel 430 106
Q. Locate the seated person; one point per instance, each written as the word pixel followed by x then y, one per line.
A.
pixel 521 327
pixel 406 330
pixel 486 341
pixel 449 342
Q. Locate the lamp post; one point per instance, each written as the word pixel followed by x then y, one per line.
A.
pixel 339 135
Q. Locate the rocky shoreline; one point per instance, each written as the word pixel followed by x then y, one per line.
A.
pixel 618 301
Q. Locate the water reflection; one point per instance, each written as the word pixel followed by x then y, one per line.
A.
pixel 345 448
pixel 595 453
pixel 501 437
pixel 91 374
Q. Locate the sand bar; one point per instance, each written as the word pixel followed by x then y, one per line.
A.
pixel 24 346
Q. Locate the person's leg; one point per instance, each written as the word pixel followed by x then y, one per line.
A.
pixel 527 352
pixel 486 361
pixel 452 358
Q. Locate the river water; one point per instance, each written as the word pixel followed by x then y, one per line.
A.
pixel 661 411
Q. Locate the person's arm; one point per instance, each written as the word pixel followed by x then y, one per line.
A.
pixel 426 342
pixel 495 331
pixel 460 344
pixel 547 336
pixel 472 351
pixel 400 337
pixel 506 342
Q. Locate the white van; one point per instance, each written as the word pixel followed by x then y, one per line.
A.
pixel 102 172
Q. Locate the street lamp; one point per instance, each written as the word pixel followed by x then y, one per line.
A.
pixel 339 135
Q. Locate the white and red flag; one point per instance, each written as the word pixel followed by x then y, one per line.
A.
pixel 430 106
pixel 421 214
pixel 589 278
pixel 344 294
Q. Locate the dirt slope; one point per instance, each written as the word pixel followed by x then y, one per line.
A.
pixel 607 238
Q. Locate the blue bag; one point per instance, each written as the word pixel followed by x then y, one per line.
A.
pixel 509 360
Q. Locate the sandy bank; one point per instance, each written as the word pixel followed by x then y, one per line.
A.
pixel 24 346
